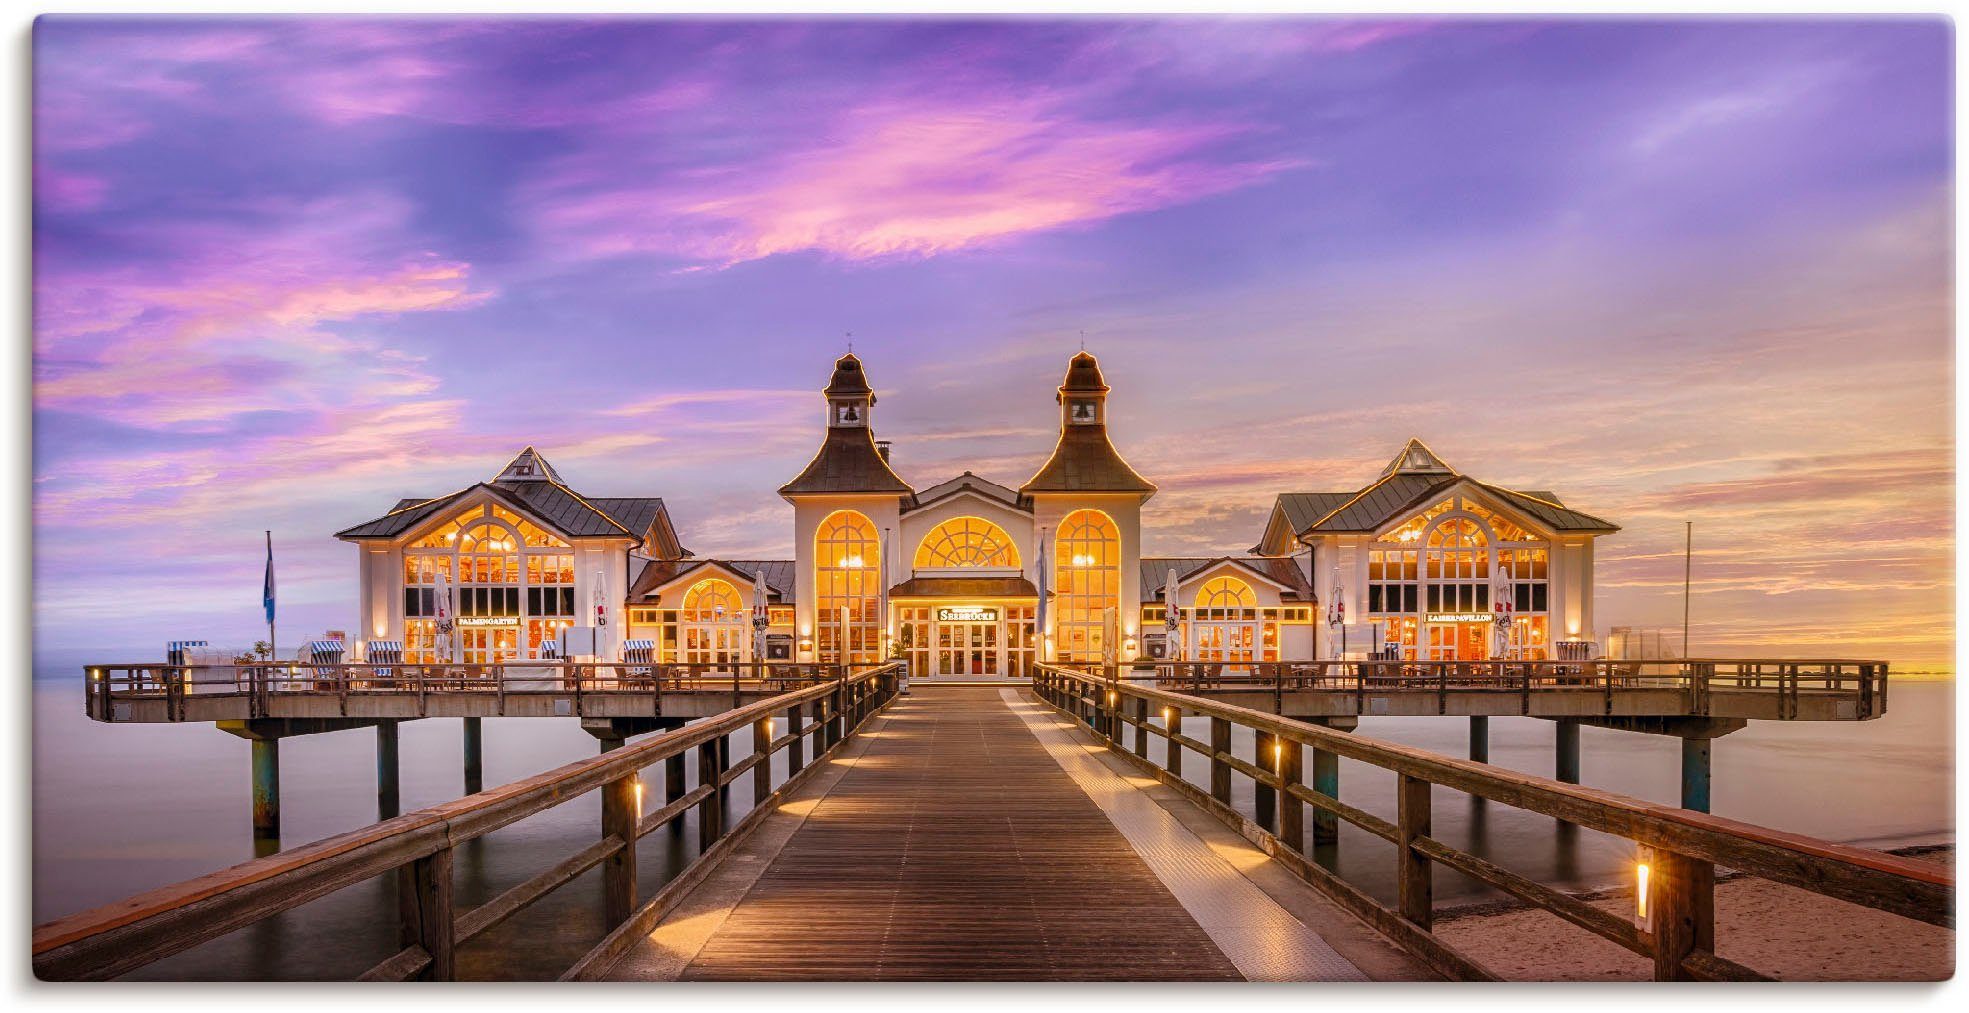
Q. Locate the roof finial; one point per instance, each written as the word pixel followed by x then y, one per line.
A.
pixel 1083 339
pixel 851 342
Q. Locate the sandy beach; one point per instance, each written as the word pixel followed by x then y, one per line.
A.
pixel 1777 930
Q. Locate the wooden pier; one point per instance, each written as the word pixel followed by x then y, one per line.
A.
pixel 1002 833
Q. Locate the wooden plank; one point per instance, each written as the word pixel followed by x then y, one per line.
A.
pixel 958 850
pixel 1415 889
pixel 425 914
pixel 619 823
pixel 402 966
pixel 516 899
pixel 1602 923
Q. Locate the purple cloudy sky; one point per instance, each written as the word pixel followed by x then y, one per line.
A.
pixel 287 271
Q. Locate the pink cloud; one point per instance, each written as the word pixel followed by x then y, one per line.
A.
pixel 903 178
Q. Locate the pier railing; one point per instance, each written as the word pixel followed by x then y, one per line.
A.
pixel 416 848
pixel 1864 683
pixel 1681 848
pixel 259 683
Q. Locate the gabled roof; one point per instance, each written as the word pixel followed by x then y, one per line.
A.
pixel 1415 476
pixel 1281 570
pixel 969 482
pixel 778 574
pixel 847 462
pixel 530 485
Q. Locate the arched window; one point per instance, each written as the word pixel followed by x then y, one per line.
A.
pixel 1226 593
pixel 1087 582
pixel 512 588
pixel 967 541
pixel 1456 565
pixel 713 623
pixel 847 571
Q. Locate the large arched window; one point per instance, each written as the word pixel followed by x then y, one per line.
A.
pixel 713 624
pixel 967 541
pixel 512 588
pixel 847 593
pixel 1226 593
pixel 1457 566
pixel 1087 579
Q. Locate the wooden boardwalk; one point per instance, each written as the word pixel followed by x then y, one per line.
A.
pixel 954 846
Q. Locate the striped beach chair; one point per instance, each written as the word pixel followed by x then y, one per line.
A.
pixel 183 652
pixel 322 656
pixel 639 659
pixel 385 655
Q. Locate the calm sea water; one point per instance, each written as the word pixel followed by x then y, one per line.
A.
pixel 120 809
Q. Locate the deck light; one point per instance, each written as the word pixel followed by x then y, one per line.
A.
pixel 639 798
pixel 1641 891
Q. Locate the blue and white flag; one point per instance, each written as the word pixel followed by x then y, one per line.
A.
pixel 268 595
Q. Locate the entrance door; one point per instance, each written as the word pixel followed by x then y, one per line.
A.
pixel 967 648
pixel 1459 641
pixel 1225 642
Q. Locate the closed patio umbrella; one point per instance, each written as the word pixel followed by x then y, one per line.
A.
pixel 1172 619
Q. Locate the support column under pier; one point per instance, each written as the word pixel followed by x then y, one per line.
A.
pixel 1480 739
pixel 266 788
pixel 1697 735
pixel 1565 747
pixel 474 757
pixel 1326 780
pixel 387 779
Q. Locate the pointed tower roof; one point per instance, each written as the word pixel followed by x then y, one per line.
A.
pixel 1083 460
pixel 848 461
pixel 528 466
pixel 848 378
pixel 1417 459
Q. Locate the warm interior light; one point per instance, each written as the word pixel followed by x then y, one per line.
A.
pixel 1278 756
pixel 769 728
pixel 1641 890
pixel 639 798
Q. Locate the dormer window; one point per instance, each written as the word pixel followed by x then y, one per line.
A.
pixel 1081 411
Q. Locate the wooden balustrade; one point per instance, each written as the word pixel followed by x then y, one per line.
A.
pixel 259 683
pixel 416 848
pixel 1683 848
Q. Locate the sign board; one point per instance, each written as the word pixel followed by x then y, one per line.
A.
pixel 1155 645
pixel 1459 617
pixel 967 614
pixel 779 647
pixel 470 621
pixel 577 641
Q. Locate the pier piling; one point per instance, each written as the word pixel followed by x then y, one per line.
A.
pixel 474 757
pixel 1566 750
pixel 1695 774
pixel 266 788
pixel 1326 781
pixel 387 783
pixel 1480 739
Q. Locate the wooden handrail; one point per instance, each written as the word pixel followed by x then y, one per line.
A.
pixel 1686 845
pixel 115 939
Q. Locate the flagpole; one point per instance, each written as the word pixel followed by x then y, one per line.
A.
pixel 273 644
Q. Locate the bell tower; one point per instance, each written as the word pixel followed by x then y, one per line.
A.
pixel 849 397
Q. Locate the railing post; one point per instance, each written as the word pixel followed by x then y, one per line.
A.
pixel 387 780
pixel 1172 722
pixel 711 811
pixel 1264 798
pixel 619 820
pixel 1414 887
pixel 1681 911
pixel 762 771
pixel 1220 771
pixel 796 750
pixel 474 757
pixel 1291 811
pixel 424 912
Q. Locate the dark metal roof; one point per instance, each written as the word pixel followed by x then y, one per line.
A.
pixel 778 574
pixel 848 378
pixel 1282 570
pixel 1083 375
pixel 1404 487
pixel 1084 461
pixel 552 504
pixel 847 462
pixel 964 587
pixel 984 487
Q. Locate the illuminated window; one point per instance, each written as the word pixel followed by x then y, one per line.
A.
pixel 505 570
pixel 1391 581
pixel 967 541
pixel 1087 578
pixel 1226 593
pixel 1411 529
pixel 713 626
pixel 1506 529
pixel 1457 566
pixel 847 569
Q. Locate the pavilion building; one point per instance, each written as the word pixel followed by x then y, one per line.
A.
pixel 968 577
